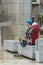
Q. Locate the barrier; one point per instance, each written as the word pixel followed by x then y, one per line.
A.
pixel 11 45
pixel 39 50
pixel 28 51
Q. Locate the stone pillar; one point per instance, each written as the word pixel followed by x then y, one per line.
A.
pixel 20 11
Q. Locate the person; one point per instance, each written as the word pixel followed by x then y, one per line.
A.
pixel 32 33
pixel 36 30
pixel 33 19
pixel 28 33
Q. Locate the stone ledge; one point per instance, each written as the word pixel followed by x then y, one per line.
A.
pixel 5 23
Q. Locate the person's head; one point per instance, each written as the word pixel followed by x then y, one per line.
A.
pixel 29 23
pixel 33 18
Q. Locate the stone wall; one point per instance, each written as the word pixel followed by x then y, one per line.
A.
pixel 35 11
pixel 0 10
pixel 41 1
pixel 19 11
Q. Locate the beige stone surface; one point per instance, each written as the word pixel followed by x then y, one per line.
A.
pixel 35 11
pixel 0 10
pixel 18 11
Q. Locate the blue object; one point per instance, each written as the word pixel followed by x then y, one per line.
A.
pixel 29 22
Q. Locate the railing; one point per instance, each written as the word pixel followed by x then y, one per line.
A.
pixel 34 0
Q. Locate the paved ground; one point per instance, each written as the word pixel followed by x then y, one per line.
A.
pixel 7 57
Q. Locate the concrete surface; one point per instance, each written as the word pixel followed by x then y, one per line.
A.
pixel 9 58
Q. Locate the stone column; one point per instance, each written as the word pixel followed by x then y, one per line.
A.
pixel 20 11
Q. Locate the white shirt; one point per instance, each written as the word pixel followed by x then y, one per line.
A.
pixel 34 24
